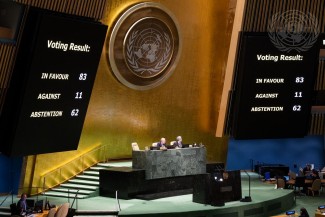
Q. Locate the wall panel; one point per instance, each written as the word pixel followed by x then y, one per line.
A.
pixel 186 104
pixel 83 8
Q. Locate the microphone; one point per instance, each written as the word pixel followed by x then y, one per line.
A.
pixel 248 198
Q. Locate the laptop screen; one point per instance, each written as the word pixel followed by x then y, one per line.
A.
pixel 185 145
pixel 286 178
pixel 39 206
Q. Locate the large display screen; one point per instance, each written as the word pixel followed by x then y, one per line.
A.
pixel 273 89
pixel 52 82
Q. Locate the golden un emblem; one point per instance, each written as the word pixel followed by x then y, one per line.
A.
pixel 148 47
pixel 144 46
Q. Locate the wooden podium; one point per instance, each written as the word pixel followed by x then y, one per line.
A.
pixel 217 188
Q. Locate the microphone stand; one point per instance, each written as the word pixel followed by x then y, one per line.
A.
pixel 247 198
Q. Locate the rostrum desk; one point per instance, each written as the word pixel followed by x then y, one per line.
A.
pixel 155 174
pixel 171 162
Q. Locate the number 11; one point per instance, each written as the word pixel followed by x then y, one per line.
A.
pixel 78 95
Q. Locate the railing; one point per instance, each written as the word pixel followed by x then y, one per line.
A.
pixel 26 190
pixel 74 167
pixel 34 190
pixel 7 195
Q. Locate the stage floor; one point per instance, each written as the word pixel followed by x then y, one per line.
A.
pixel 266 201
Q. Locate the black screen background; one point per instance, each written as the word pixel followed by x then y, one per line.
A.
pixel 267 125
pixel 23 135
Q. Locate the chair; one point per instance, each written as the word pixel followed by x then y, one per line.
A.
pixel 299 183
pixel 315 187
pixel 154 146
pixel 292 175
pixel 51 212
pixel 62 211
pixel 280 183
pixel 292 179
pixel 267 176
pixel 322 184
pixel 14 209
pixel 135 146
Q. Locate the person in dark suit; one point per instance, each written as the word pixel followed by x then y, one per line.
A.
pixel 314 174
pixel 161 145
pixel 303 212
pixel 178 143
pixel 307 170
pixel 22 205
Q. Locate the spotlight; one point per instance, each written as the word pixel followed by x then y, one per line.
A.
pixel 218 177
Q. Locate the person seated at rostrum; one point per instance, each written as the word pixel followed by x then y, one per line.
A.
pixel 161 145
pixel 178 143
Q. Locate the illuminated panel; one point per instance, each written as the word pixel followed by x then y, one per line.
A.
pixel 52 83
pixel 273 89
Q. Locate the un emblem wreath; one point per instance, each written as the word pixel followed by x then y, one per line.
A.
pixel 293 30
pixel 151 54
pixel 144 46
